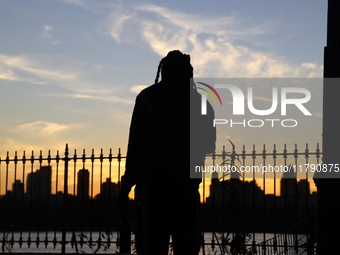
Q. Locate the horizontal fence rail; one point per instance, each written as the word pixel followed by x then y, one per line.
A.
pixel 69 201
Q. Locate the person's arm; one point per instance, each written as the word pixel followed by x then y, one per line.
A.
pixel 137 145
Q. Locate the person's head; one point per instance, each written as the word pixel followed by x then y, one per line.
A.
pixel 175 66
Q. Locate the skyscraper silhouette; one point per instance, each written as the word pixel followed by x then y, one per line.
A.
pixel 39 183
pixel 83 183
pixel 288 183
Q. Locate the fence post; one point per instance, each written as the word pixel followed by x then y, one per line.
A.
pixel 66 159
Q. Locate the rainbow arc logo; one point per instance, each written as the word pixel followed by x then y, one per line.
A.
pixel 211 92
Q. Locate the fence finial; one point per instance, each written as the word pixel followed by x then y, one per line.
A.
pixel 66 150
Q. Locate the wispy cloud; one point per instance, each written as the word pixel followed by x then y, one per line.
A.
pixel 104 97
pixel 117 17
pixel 7 74
pixel 26 64
pixel 203 24
pixel 75 77
pixel 37 135
pixel 42 127
pixel 217 44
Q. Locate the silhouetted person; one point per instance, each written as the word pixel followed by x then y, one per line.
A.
pixel 160 159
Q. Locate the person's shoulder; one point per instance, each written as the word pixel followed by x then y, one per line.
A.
pixel 148 96
pixel 151 90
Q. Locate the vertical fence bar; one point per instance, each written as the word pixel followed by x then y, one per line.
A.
pixel 318 153
pixel 14 198
pixel 66 159
pixel 84 197
pixel 309 221
pixel 118 209
pixel 48 192
pixel 73 212
pixel 285 198
pixel 109 215
pixel 108 230
pixel 92 198
pixel 235 198
pixel 5 204
pixel 29 240
pixel 253 205
pixel 73 199
pixel 57 158
pixel 37 241
pixel 101 195
pixel 223 200
pixel 296 241
pixel 22 198
pixel 264 199
pixel 213 203
pixel 274 209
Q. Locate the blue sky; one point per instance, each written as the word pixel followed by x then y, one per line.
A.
pixel 70 69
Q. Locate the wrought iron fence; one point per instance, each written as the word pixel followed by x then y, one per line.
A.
pixel 67 202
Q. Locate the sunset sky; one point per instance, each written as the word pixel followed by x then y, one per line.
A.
pixel 70 69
